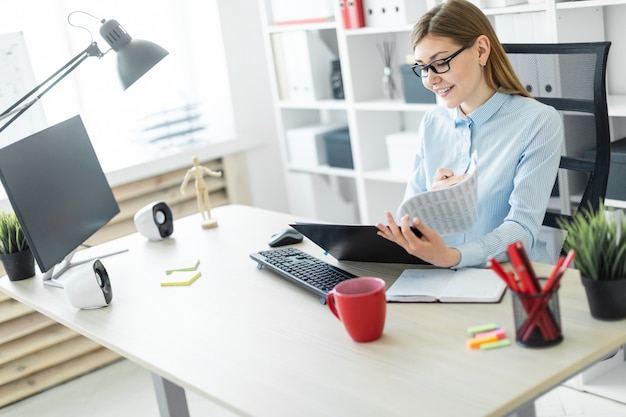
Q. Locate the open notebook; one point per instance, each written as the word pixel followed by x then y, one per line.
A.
pixel 465 285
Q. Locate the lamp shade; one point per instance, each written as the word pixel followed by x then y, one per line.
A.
pixel 135 57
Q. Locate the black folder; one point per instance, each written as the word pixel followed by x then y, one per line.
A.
pixel 355 243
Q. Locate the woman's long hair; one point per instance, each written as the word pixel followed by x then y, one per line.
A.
pixel 463 22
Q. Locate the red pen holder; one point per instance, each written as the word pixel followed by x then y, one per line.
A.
pixel 537 319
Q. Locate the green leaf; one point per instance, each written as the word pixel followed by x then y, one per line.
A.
pixel 12 238
pixel 595 237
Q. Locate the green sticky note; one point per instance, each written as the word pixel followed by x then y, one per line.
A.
pixel 481 328
pixel 186 266
pixel 495 345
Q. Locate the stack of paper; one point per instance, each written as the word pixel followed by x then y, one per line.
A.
pixel 449 210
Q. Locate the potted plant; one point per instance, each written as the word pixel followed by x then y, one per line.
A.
pixel 15 254
pixel 600 246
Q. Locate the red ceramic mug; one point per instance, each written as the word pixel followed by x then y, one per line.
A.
pixel 360 304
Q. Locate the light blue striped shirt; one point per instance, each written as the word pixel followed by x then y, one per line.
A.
pixel 518 144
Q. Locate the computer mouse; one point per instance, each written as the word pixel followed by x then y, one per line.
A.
pixel 285 237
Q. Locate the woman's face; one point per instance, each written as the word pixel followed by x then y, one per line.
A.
pixel 464 84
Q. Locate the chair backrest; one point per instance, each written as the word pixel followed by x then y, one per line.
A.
pixel 571 77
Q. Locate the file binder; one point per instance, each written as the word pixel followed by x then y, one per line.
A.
pixel 355 13
pixel 380 13
pixel 361 243
pixel 345 15
pixel 307 65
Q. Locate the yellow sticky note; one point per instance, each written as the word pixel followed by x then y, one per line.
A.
pixel 177 278
pixel 475 342
pixel 185 266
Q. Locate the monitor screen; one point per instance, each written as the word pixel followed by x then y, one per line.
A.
pixel 57 189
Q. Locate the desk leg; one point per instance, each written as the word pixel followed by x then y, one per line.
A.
pixel 527 410
pixel 170 397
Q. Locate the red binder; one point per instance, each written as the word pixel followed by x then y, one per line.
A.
pixel 345 17
pixel 355 13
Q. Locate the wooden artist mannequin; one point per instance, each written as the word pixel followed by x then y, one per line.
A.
pixel 202 193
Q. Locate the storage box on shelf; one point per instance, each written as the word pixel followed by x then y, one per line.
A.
pixel 401 148
pixel 307 146
pixel 338 150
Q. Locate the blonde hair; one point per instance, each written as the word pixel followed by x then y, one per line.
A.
pixel 463 22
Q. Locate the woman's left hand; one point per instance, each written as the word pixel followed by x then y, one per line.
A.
pixel 430 247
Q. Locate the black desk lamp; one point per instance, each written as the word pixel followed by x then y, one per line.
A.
pixel 135 57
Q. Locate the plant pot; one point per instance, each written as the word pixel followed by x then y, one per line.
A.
pixel 19 265
pixel 607 299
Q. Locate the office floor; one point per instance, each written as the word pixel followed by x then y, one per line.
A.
pixel 125 389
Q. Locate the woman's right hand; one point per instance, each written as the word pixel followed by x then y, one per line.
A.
pixel 444 177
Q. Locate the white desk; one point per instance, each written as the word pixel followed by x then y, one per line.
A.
pixel 259 345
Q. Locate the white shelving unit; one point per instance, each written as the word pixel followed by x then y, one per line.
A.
pixel 364 193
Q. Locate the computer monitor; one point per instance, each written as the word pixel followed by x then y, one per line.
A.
pixel 58 191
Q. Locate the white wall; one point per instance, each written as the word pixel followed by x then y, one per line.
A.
pixel 252 102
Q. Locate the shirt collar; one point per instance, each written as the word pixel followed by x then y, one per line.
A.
pixel 483 113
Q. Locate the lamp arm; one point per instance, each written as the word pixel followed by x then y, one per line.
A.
pixel 91 50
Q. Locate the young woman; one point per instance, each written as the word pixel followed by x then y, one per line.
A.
pixel 517 141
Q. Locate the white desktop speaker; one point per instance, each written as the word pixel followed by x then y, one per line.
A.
pixel 155 221
pixel 86 291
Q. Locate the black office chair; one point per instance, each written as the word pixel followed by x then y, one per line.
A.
pixel 571 77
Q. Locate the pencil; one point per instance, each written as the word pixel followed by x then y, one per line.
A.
pixel 497 268
pixel 558 273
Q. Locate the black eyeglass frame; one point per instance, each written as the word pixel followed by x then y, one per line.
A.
pixel 418 69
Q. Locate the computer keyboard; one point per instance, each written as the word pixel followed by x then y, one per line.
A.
pixel 309 272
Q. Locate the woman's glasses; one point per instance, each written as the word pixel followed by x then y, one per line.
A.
pixel 439 66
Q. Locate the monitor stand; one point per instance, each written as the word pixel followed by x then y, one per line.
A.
pixel 51 275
